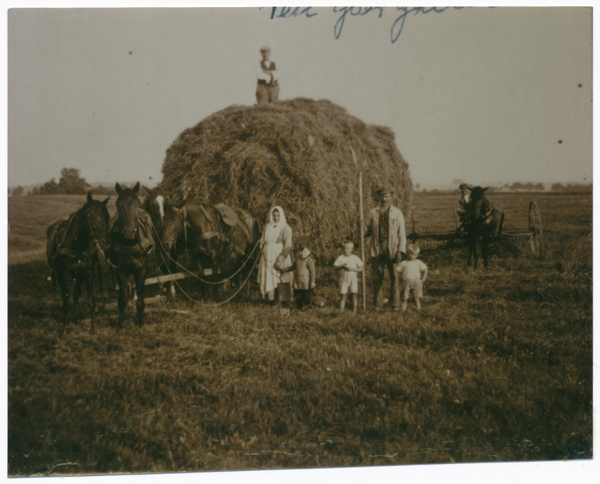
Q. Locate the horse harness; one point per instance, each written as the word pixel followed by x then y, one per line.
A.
pixel 142 244
pixel 67 226
pixel 217 230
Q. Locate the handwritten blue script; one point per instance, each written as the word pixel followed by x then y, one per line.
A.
pixel 399 23
pixel 287 12
pixel 353 12
pixel 344 13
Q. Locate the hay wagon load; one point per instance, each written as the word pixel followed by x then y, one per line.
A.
pixel 296 154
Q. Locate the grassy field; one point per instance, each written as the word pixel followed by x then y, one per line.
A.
pixel 497 366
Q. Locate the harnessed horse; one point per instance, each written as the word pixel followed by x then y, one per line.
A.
pixel 132 245
pixel 72 252
pixel 154 204
pixel 480 225
pixel 217 237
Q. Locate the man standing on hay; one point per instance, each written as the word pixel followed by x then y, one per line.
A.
pixel 267 87
pixel 385 226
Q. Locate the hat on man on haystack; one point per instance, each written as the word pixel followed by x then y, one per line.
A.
pixel 465 185
pixel 265 49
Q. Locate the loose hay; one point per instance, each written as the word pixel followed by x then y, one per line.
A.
pixel 293 153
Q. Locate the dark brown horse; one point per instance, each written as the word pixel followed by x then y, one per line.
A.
pixel 72 252
pixel 132 248
pixel 480 225
pixel 219 238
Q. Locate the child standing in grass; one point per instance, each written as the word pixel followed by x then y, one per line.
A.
pixel 304 279
pixel 414 274
pixel 349 265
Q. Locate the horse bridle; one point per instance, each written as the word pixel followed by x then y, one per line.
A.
pixel 483 218
pixel 183 214
pixel 135 224
pixel 95 243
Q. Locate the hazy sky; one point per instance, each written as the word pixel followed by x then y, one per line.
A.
pixel 482 94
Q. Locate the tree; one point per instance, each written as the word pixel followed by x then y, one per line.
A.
pixel 17 192
pixel 540 187
pixel 517 186
pixel 50 188
pixel 71 182
pixel 557 187
pixel 100 190
pixel 529 186
pixel 417 186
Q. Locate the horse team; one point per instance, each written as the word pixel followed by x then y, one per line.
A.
pixel 143 236
pixel 152 234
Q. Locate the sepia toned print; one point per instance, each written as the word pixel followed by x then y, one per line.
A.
pixel 294 238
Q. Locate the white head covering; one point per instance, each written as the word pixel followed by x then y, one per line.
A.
pixel 272 230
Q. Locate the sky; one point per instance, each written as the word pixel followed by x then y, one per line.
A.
pixel 479 94
pixel 487 95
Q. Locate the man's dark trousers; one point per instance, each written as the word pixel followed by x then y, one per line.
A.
pixel 378 265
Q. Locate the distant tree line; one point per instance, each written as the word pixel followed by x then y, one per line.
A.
pixel 17 192
pixel 519 187
pixel 70 183
pixel 572 188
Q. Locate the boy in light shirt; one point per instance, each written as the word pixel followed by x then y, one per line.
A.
pixel 414 274
pixel 349 265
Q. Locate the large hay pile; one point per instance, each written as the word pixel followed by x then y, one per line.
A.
pixel 293 153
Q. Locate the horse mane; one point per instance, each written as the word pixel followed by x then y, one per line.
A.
pixel 73 228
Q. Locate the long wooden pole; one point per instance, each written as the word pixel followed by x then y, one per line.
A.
pixel 362 237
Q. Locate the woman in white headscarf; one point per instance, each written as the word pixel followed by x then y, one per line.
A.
pixel 276 249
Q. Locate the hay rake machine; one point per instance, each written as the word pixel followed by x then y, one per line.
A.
pixel 532 236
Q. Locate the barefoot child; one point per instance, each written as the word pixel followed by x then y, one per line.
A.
pixel 349 265
pixel 304 279
pixel 414 274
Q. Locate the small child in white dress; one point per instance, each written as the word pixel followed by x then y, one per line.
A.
pixel 349 265
pixel 414 274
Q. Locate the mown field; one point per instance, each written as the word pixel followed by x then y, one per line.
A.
pixel 497 366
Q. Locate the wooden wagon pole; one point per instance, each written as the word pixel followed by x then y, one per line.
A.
pixel 362 238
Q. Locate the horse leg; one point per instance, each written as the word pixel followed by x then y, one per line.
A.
pixel 476 252
pixel 97 261
pixel 63 282
pixel 112 275
pixel 470 242
pixel 89 285
pixel 122 297
pixel 484 250
pixel 140 289
pixel 215 287
pixel 172 270
pixel 77 295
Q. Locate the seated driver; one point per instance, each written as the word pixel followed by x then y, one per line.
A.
pixel 465 198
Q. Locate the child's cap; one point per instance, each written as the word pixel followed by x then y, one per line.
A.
pixel 413 249
pixel 300 249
